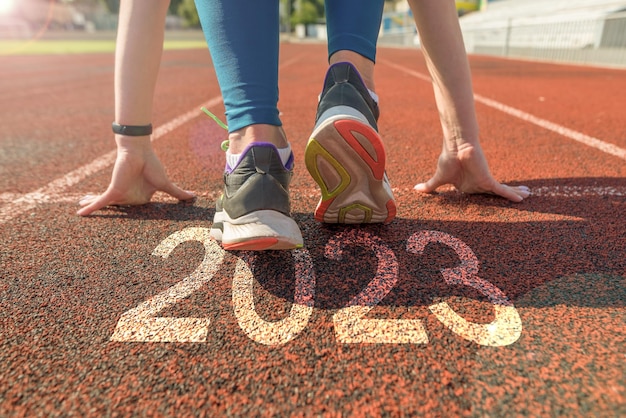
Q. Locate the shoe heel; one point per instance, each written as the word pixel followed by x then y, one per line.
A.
pixel 346 158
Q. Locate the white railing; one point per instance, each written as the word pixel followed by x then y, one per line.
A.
pixel 598 41
pixel 574 39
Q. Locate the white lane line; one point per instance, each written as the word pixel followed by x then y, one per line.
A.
pixel 552 191
pixel 52 190
pixel 559 129
pixel 17 204
pixel 578 191
pixel 551 126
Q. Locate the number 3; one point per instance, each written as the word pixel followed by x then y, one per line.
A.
pixel 505 329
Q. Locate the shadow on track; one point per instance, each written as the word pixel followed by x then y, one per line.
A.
pixel 570 252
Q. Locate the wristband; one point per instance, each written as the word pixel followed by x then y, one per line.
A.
pixel 132 130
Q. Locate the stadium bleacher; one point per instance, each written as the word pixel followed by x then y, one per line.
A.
pixel 577 31
pixel 503 10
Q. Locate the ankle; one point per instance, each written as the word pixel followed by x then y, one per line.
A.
pixel 240 139
pixel 364 66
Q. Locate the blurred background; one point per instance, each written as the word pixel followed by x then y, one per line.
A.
pixel 18 17
pixel 576 31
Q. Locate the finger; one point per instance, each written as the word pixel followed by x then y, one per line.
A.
pixel 175 191
pixel 98 203
pixel 87 199
pixel 514 194
pixel 429 186
pixel 523 191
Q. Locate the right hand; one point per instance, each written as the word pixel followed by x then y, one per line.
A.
pixel 137 175
pixel 468 171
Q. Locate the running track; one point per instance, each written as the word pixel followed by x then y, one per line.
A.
pixel 464 305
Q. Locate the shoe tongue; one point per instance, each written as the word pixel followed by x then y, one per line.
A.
pixel 340 73
pixel 263 157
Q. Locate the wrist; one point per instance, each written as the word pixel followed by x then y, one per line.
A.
pixel 134 144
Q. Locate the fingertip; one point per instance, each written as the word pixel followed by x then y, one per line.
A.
pixel 514 194
pixel 88 209
pixel 523 191
pixel 510 195
pixel 178 193
pixel 185 195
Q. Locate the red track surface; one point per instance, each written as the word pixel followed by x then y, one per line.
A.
pixel 536 317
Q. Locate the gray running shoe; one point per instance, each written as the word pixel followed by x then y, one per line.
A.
pixel 345 154
pixel 254 212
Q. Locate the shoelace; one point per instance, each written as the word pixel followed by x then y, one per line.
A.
pixel 217 120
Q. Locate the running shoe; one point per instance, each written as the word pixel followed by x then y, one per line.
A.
pixel 345 154
pixel 253 213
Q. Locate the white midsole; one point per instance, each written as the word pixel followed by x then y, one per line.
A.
pixel 258 224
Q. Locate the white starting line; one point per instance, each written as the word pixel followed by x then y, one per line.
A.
pixel 31 200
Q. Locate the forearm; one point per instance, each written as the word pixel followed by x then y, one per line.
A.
pixel 137 57
pixel 442 45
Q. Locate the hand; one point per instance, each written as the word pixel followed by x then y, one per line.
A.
pixel 137 175
pixel 468 171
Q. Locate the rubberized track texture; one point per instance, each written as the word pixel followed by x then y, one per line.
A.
pixel 462 306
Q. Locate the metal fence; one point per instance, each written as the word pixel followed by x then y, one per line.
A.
pixel 596 41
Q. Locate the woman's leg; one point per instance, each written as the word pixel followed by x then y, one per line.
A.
pixel 254 212
pixel 353 27
pixel 345 143
pixel 243 38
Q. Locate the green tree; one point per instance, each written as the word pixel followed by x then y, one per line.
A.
pixel 187 10
pixel 306 11
pixel 174 4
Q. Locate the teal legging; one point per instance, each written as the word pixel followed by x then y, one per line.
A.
pixel 243 38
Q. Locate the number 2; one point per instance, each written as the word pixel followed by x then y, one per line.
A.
pixel 350 327
pixel 141 325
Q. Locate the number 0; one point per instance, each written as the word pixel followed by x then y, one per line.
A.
pixel 277 332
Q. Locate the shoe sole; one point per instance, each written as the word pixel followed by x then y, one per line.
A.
pixel 346 158
pixel 257 231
